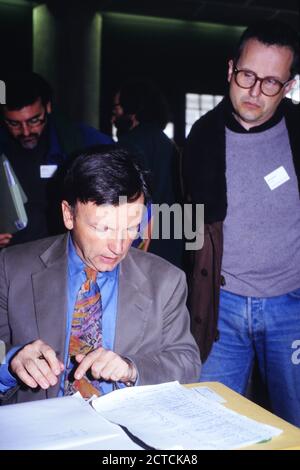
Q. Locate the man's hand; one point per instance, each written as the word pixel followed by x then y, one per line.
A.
pixel 37 365
pixel 107 365
pixel 5 239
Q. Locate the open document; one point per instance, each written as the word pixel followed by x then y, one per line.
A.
pixel 165 416
pixel 59 423
pixel 170 416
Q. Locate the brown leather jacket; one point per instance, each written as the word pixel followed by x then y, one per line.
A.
pixel 204 288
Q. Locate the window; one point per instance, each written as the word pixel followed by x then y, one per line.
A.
pixel 114 133
pixel 198 105
pixel 169 130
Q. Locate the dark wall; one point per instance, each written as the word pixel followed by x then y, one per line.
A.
pixel 179 56
pixel 15 38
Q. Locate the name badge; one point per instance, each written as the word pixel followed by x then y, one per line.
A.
pixel 47 171
pixel 277 178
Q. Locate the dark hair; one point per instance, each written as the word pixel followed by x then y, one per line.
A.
pixel 103 173
pixel 272 33
pixel 25 89
pixel 145 100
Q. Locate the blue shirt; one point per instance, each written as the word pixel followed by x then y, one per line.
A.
pixel 108 283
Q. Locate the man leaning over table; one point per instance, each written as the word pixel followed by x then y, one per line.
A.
pixel 83 311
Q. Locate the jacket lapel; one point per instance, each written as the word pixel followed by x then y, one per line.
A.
pixel 134 306
pixel 50 298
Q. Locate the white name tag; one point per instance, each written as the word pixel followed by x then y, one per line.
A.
pixel 47 171
pixel 277 178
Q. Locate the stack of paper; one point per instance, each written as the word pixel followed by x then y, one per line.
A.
pixel 165 416
pixel 170 416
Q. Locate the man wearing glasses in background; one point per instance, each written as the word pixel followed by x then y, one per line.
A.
pixel 242 160
pixel 36 142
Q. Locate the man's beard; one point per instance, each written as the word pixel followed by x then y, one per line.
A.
pixel 123 125
pixel 29 142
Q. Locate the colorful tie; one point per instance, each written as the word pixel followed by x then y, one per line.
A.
pixel 86 335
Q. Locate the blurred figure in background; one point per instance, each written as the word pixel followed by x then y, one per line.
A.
pixel 140 114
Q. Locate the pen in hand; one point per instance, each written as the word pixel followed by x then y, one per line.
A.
pixel 50 367
pixel 36 365
pixel 50 361
pixel 41 356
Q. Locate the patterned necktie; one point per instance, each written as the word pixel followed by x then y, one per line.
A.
pixel 86 335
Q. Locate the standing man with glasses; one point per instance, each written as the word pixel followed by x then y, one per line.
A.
pixel 242 160
pixel 36 142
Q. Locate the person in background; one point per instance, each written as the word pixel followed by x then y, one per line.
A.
pixel 84 311
pixel 242 162
pixel 140 114
pixel 36 142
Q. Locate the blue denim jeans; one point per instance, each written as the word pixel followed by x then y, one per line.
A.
pixel 270 329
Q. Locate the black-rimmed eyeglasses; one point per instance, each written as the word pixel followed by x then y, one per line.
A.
pixel 269 86
pixel 32 122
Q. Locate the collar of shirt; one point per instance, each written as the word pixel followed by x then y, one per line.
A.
pixel 76 265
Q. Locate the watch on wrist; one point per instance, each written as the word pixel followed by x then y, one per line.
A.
pixel 129 383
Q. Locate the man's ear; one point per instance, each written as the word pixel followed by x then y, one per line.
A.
pixel 230 70
pixel 289 86
pixel 134 121
pixel 49 107
pixel 68 215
